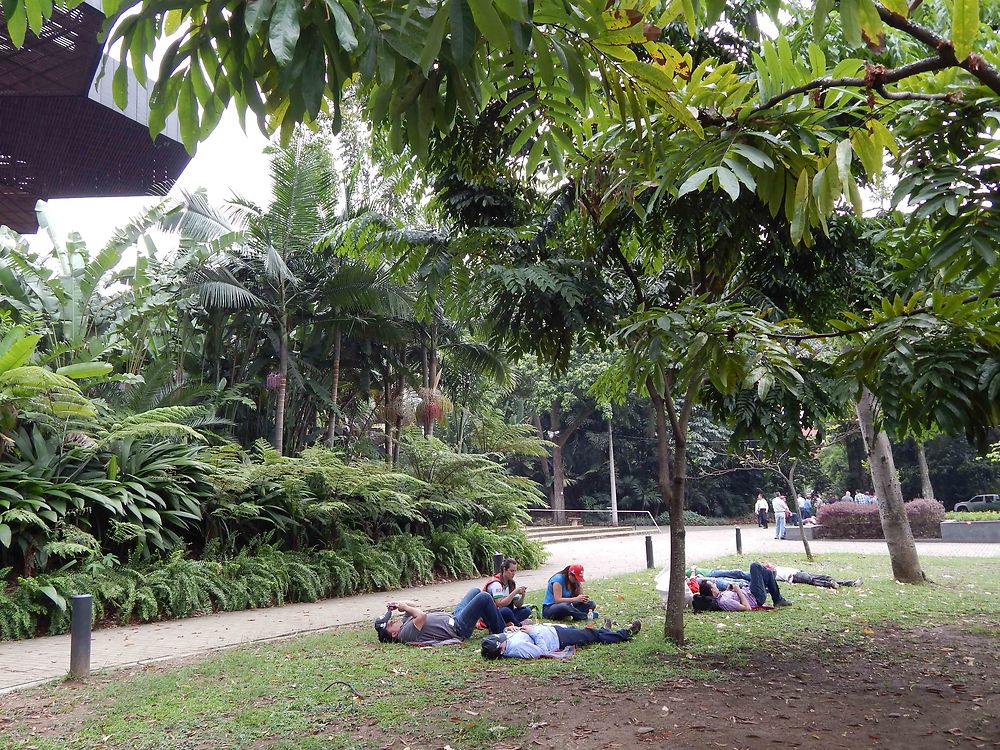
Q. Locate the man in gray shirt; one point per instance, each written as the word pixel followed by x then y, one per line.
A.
pixel 433 628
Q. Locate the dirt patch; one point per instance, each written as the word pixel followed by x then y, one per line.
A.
pixel 925 688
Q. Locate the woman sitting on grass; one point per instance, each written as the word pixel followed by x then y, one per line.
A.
pixel 564 597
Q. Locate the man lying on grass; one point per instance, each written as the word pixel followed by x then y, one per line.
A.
pixel 553 641
pixel 421 628
pixel 734 598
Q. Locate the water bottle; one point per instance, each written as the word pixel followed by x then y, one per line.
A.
pixel 590 618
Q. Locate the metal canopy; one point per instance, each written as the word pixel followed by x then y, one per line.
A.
pixel 61 135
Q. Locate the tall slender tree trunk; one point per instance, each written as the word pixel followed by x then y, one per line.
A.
pixel 895 525
pixel 279 407
pixel 543 461
pixel 926 488
pixel 558 480
pixel 387 417
pixel 433 378
pixel 331 426
pixel 798 510
pixel 611 475
pixel 673 624
pixel 854 445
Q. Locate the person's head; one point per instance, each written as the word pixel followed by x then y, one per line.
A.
pixel 508 569
pixel 708 589
pixel 760 495
pixel 573 575
pixel 494 646
pixel 387 628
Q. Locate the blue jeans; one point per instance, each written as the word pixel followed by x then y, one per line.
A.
pixel 568 610
pixel 585 636
pixel 779 526
pixel 477 605
pixel 516 615
pixel 762 583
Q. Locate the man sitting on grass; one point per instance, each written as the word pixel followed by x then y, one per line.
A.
pixel 421 628
pixel 734 599
pixel 537 641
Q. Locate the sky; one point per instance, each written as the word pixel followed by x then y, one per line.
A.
pixel 230 161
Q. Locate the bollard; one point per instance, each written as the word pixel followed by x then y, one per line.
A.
pixel 649 551
pixel 497 562
pixel 79 643
pixel 739 542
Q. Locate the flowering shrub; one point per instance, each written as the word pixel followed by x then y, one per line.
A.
pixel 852 521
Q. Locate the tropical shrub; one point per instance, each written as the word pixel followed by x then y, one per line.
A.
pixel 692 518
pixel 846 520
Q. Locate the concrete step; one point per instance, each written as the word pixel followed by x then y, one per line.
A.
pixel 556 534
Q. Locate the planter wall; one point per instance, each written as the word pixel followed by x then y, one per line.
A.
pixel 795 532
pixel 970 531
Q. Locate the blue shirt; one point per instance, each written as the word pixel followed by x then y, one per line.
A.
pixel 550 598
pixel 540 640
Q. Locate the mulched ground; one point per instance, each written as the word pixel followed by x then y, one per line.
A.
pixel 925 688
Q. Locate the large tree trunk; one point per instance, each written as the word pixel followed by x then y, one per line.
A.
pixel 611 475
pixel 279 409
pixel 926 488
pixel 673 624
pixel 543 460
pixel 433 381
pixel 855 447
pixel 798 511
pixel 558 480
pixel 331 427
pixel 892 512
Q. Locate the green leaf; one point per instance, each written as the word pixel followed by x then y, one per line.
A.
pixel 54 595
pixel 489 23
pixel 345 30
pixel 172 20
pixel 34 13
pixel 696 181
pixel 187 115
pixel 434 39
pixel 868 151
pixel 16 351
pixel 900 7
pixel 257 12
pixel 964 27
pixel 844 158
pixel 17 20
pixel 821 10
pixel 283 33
pixel 119 86
pixel 850 21
pixel 728 182
pixel 463 31
pixel 801 206
pixel 85 370
pixel 5 535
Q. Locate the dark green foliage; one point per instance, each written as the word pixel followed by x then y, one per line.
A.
pixel 415 560
pixel 452 554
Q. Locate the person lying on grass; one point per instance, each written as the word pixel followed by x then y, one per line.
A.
pixel 553 641
pixel 734 598
pixel 421 628
pixel 722 578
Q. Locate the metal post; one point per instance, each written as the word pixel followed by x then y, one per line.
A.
pixel 739 542
pixel 79 643
pixel 649 551
pixel 497 562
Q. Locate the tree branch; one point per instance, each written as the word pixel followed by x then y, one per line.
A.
pixel 973 64
pixel 949 97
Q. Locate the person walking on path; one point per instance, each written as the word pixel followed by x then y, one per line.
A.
pixel 564 597
pixel 421 628
pixel 537 641
pixel 509 597
pixel 761 510
pixel 780 508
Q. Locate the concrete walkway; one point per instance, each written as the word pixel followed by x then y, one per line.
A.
pixel 25 663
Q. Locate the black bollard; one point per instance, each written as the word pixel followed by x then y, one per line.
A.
pixel 739 542
pixel 649 551
pixel 497 562
pixel 79 643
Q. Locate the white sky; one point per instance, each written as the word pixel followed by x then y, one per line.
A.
pixel 230 161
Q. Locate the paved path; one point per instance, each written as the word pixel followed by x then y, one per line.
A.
pixel 24 663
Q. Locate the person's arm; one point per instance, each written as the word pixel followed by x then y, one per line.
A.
pixel 418 615
pixel 744 602
pixel 508 600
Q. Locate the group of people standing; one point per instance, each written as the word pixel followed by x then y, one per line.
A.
pixel 499 607
pixel 782 512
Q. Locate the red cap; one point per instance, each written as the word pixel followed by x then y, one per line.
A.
pixel 577 570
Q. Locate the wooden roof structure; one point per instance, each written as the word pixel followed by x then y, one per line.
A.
pixel 61 135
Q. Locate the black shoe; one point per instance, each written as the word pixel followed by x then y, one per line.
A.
pixel 782 603
pixel 634 627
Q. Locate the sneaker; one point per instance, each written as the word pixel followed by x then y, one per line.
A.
pixel 634 627
pixel 858 581
pixel 782 603
pixel 596 615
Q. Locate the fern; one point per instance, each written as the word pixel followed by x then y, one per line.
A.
pixel 415 560
pixel 452 555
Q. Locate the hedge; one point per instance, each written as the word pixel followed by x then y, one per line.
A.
pixel 846 520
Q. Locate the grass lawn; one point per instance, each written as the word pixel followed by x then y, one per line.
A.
pixel 291 694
